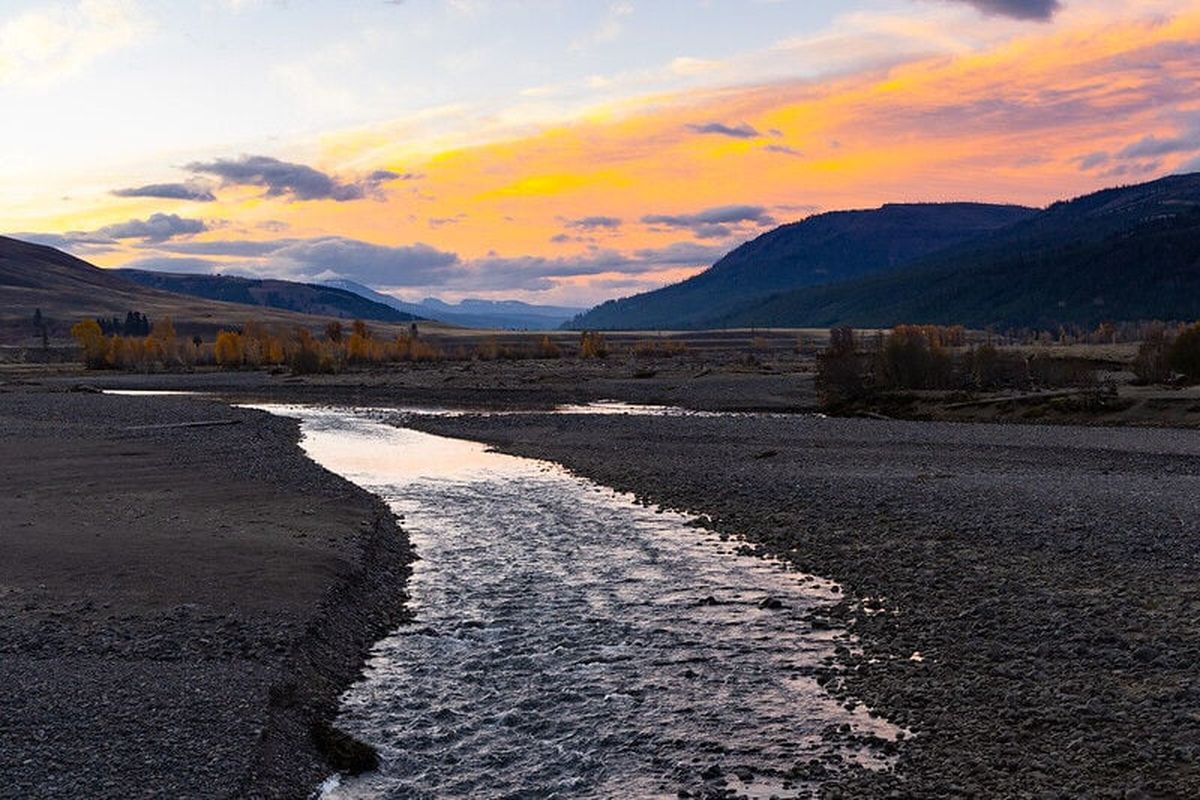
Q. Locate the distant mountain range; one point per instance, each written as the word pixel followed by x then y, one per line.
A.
pixel 504 314
pixel 305 298
pixel 1126 253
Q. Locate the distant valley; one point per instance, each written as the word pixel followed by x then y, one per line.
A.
pixel 471 313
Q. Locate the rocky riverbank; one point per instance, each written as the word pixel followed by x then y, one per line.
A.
pixel 181 604
pixel 1026 598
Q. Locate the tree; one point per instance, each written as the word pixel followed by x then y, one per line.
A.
pixel 228 350
pixel 163 334
pixel 840 376
pixel 333 331
pixel 39 327
pixel 1185 352
pixel 92 344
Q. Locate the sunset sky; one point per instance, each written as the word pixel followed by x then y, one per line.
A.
pixel 558 151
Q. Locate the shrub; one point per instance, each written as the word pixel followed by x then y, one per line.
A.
pixel 306 357
pixel 658 348
pixel 1153 361
pixel 913 357
pixel 840 376
pixel 1046 370
pixel 1185 352
pixel 548 349
pixel 592 345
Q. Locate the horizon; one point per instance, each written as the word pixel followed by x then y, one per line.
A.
pixel 555 154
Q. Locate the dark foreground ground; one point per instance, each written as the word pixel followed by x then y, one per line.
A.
pixel 1047 578
pixel 179 607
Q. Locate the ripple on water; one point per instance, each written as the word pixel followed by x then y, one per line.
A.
pixel 571 643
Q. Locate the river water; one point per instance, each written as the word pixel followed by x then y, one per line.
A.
pixel 570 642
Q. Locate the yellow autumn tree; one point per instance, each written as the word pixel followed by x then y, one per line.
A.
pixel 92 344
pixel 228 349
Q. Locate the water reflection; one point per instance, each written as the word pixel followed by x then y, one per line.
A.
pixel 571 643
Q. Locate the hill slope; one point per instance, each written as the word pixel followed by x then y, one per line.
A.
pixel 67 289
pixel 823 249
pixel 305 298
pixel 507 314
pixel 1127 253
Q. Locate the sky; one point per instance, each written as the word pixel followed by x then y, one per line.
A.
pixel 558 151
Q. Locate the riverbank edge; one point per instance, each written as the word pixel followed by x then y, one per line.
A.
pixel 299 747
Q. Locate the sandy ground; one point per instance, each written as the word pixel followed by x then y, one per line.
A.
pixel 166 598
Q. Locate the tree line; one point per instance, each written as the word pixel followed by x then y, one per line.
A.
pixel 337 347
pixel 930 357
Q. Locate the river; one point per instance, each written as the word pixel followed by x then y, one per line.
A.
pixel 570 642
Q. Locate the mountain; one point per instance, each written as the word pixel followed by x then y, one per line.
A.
pixel 1128 253
pixel 67 289
pixel 470 313
pixel 823 249
pixel 305 298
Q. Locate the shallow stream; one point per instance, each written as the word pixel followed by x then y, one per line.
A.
pixel 570 642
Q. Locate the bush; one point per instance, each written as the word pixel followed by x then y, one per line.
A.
pixel 913 357
pixel 657 348
pixel 840 376
pixel 592 345
pixel 1048 371
pixel 1153 361
pixel 1185 352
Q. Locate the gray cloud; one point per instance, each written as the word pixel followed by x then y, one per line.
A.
pixel 79 243
pixel 1152 147
pixel 169 191
pixel 189 266
pixel 1093 160
pixel 156 228
pixel 1018 9
pixel 295 181
pixel 782 149
pixel 742 131
pixel 713 223
pixel 241 248
pixel 377 265
pixel 681 254
pixel 594 222
pixel 535 273
pixel 417 265
pixel 1191 165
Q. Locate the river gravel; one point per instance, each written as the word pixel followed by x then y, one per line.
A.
pixel 1026 597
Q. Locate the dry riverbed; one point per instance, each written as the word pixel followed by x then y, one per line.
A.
pixel 180 605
